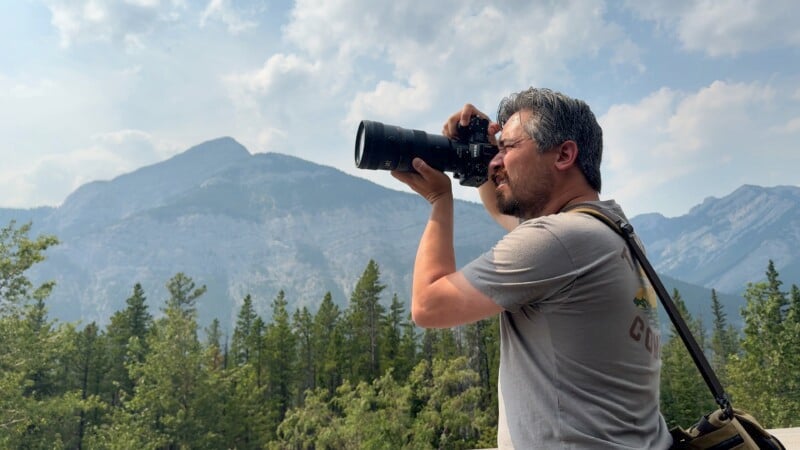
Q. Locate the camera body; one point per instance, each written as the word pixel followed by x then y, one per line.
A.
pixel 389 147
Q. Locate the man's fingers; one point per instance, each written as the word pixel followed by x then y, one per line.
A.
pixel 466 113
pixel 450 128
pixel 420 166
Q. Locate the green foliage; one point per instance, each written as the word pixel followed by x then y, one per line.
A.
pixel 364 324
pixel 724 339
pixel 764 378
pixel 362 377
pixel 303 324
pixel 171 377
pixel 245 340
pixel 438 407
pixel 452 413
pixel 329 345
pixel 684 395
pixel 183 294
pixel 18 253
pixel 126 338
pixel 280 360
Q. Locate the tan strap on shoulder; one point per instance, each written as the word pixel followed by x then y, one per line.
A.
pixel 598 214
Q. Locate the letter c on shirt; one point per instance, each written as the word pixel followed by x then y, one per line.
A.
pixel 636 328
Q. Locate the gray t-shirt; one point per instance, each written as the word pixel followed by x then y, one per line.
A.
pixel 579 360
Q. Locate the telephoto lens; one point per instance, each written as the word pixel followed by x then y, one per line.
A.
pixel 388 147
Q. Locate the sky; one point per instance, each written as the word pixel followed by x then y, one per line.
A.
pixel 696 97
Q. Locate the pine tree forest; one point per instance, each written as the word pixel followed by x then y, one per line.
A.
pixel 360 376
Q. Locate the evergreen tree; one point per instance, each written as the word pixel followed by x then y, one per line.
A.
pixel 35 410
pixel 38 410
pixel 303 324
pixel 723 338
pixel 684 394
pixel 329 339
pixel 260 359
pixel 409 343
pixel 392 335
pixel 214 347
pixel 764 378
pixel 243 340
pixel 280 345
pixel 87 367
pixel 237 393
pixel 365 316
pixel 168 382
pixel 791 339
pixel 439 343
pixel 483 352
pixel 43 375
pixel 127 344
pixel 183 294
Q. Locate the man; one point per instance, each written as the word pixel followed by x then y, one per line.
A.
pixel 579 361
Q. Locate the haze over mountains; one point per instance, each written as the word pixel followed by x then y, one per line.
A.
pixel 257 224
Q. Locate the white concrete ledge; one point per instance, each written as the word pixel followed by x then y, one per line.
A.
pixel 789 437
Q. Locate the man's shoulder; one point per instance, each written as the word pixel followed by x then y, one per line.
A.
pixel 578 229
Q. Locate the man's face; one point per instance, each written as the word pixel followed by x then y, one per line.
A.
pixel 522 175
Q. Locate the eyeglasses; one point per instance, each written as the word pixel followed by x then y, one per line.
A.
pixel 504 147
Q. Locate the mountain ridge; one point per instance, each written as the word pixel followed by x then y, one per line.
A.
pixel 725 243
pixel 244 223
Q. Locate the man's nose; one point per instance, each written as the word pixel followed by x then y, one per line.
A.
pixel 496 162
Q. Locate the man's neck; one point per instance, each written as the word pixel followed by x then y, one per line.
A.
pixel 557 204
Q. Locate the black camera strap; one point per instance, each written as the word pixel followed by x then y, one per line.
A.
pixel 625 229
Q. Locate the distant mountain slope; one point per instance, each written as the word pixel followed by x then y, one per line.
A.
pixel 725 243
pixel 240 224
pixel 95 205
pixel 257 224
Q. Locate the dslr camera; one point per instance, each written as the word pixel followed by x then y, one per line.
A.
pixel 389 147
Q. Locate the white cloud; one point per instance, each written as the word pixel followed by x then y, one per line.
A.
pixel 725 28
pixel 274 75
pixel 273 139
pixel 398 60
pixel 18 89
pixel 48 179
pixel 224 11
pixel 411 64
pixel 465 40
pixel 713 135
pixel 792 126
pixel 123 22
pixel 281 76
pixel 298 79
pixel 392 101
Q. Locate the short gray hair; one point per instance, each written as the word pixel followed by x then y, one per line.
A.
pixel 557 118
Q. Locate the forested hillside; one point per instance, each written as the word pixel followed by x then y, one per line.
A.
pixel 362 376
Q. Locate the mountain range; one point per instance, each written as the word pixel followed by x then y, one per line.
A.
pixel 242 223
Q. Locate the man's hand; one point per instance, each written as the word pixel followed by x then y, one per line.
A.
pixel 428 182
pixel 450 127
pixel 487 190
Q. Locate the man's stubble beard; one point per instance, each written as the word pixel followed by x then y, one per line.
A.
pixel 511 205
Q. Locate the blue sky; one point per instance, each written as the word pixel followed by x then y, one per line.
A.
pixel 696 97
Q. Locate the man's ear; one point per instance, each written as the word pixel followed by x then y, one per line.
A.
pixel 567 155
